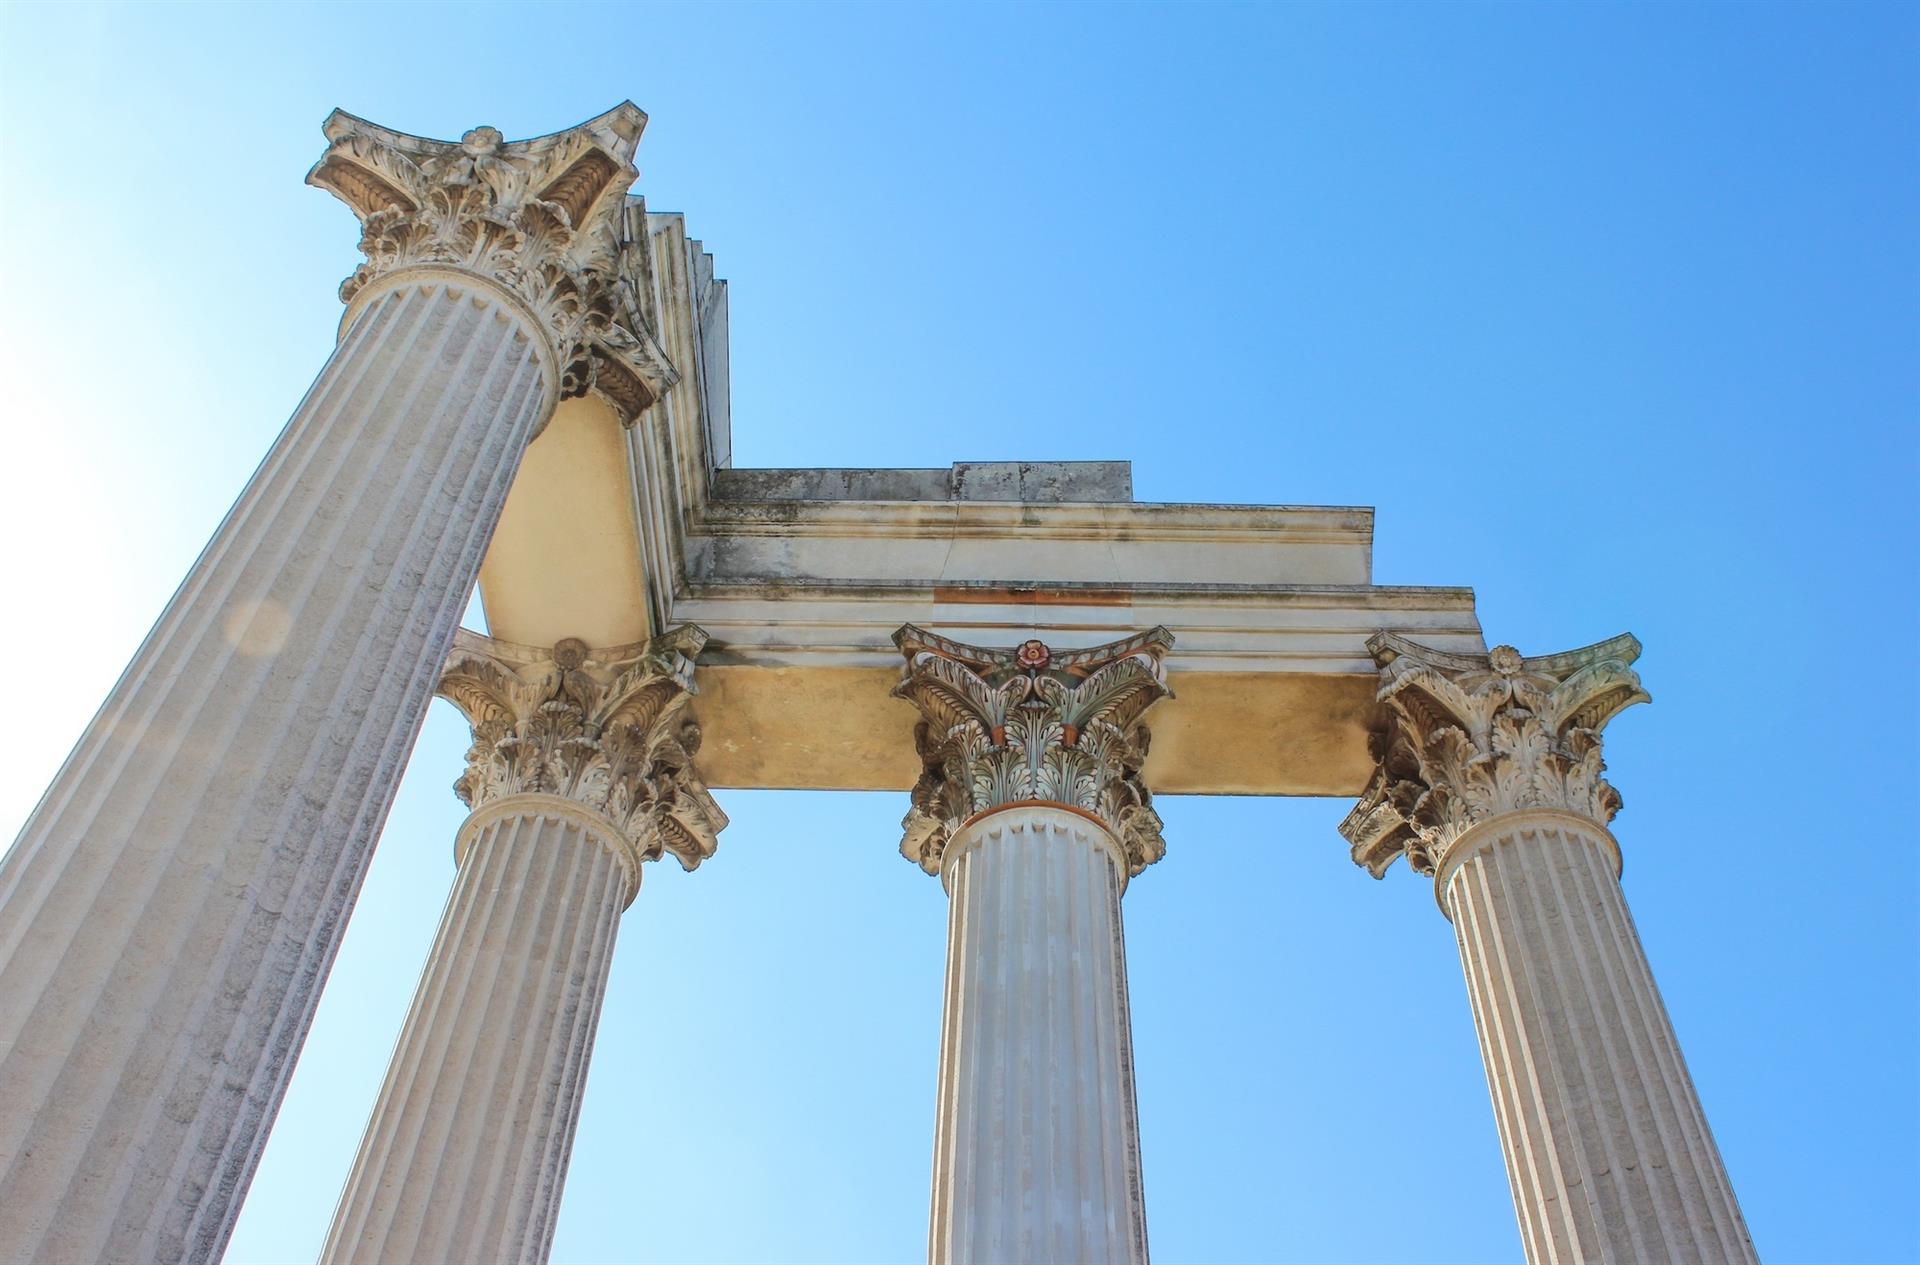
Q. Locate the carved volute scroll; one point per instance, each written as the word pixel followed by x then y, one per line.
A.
pixel 545 219
pixel 611 730
pixel 1028 725
pixel 1468 737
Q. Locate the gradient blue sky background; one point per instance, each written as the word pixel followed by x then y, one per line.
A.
pixel 1610 311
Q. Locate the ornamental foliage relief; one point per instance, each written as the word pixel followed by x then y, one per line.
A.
pixel 547 219
pixel 1031 725
pixel 1469 737
pixel 613 731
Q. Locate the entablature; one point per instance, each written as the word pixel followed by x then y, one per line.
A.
pixel 801 576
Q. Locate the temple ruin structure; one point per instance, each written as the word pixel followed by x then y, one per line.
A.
pixel 529 393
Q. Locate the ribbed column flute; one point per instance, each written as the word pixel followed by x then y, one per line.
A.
pixel 1037 1155
pixel 1032 811
pixel 171 907
pixel 581 770
pixel 466 1152
pixel 1490 780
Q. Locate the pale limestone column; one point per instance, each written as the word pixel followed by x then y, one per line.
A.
pixel 1489 779
pixel 169 911
pixel 581 769
pixel 1032 812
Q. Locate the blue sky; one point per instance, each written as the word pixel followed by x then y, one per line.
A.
pixel 1610 310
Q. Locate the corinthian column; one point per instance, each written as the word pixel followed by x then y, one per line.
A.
pixel 169 911
pixel 1032 812
pixel 1489 780
pixel 581 769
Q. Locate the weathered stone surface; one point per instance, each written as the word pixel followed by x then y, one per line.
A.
pixel 1032 724
pixel 831 485
pixel 803 575
pixel 581 769
pixel 170 910
pixel 1030 482
pixel 1489 779
pixel 465 1156
pixel 1043 482
pixel 1469 737
pixel 1607 1148
pixel 546 220
pixel 1031 808
pixel 611 730
pixel 1037 1137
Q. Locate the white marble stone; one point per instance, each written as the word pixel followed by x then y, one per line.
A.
pixel 466 1153
pixel 1607 1149
pixel 170 910
pixel 1031 808
pixel 1037 1146
pixel 1490 779
pixel 581 770
pixel 804 588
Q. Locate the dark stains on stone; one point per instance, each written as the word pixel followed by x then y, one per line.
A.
pixel 1017 482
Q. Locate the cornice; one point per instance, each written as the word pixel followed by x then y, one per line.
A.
pixel 695 573
pixel 1061 592
pixel 1064 520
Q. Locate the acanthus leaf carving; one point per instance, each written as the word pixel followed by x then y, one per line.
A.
pixel 546 219
pixel 1030 724
pixel 611 730
pixel 1466 738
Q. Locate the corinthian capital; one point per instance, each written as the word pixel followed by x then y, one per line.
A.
pixel 1031 725
pixel 1468 737
pixel 611 730
pixel 547 220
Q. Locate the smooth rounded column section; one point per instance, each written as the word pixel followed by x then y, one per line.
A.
pixel 1037 1156
pixel 171 908
pixel 466 1153
pixel 1607 1149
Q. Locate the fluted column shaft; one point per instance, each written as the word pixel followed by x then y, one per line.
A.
pixel 581 769
pixel 1607 1149
pixel 1031 808
pixel 1037 1150
pixel 466 1153
pixel 171 908
pixel 1489 777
